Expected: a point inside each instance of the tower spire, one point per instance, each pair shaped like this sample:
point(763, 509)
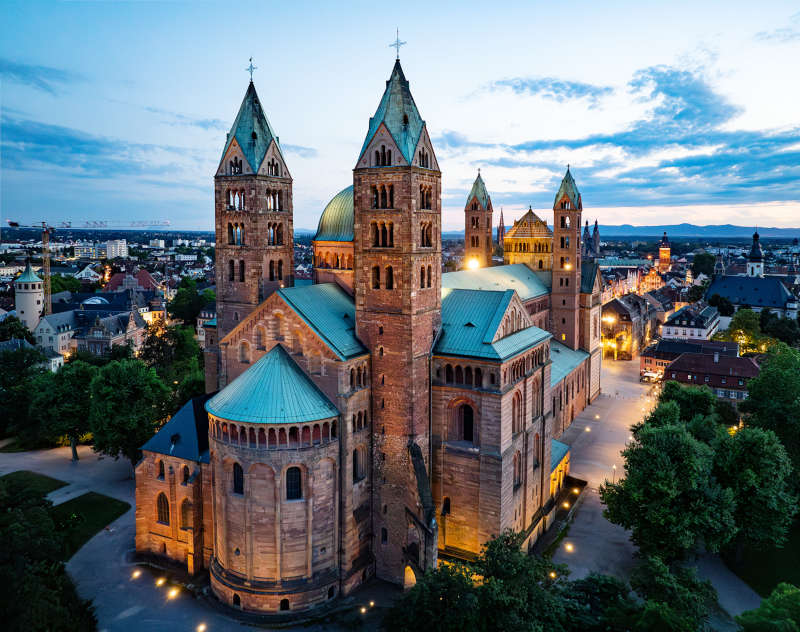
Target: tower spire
point(250, 69)
point(396, 44)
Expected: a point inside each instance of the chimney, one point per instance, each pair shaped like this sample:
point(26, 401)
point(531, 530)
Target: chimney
point(716, 357)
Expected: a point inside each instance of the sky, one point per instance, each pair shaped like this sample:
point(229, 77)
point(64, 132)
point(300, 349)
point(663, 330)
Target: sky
point(666, 112)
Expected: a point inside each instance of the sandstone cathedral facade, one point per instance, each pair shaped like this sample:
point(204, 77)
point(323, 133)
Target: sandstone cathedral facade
point(388, 415)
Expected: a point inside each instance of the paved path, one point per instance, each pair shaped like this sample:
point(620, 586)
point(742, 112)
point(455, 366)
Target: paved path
point(598, 545)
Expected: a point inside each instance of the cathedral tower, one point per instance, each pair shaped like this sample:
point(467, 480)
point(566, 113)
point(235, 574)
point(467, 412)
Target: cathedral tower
point(478, 246)
point(253, 216)
point(664, 255)
point(567, 209)
point(397, 251)
point(755, 260)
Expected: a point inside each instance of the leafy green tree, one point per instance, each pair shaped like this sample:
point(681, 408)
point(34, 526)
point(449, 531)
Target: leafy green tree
point(65, 404)
point(773, 400)
point(723, 305)
point(61, 283)
point(692, 400)
point(677, 599)
point(726, 413)
point(780, 612)
point(783, 329)
point(597, 603)
point(129, 403)
point(188, 302)
point(177, 359)
point(755, 466)
point(37, 593)
point(12, 327)
point(703, 264)
point(18, 370)
point(696, 293)
point(669, 498)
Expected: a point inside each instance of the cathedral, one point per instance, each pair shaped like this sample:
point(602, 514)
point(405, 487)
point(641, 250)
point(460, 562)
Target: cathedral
point(387, 416)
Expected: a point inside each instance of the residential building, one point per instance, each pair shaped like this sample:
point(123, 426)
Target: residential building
point(116, 248)
point(727, 376)
point(628, 325)
point(697, 321)
point(657, 357)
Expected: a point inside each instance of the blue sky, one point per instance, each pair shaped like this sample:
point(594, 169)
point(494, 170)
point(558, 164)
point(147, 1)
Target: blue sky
point(679, 111)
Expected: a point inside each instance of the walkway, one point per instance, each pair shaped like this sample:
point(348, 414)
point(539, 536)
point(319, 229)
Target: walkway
point(596, 544)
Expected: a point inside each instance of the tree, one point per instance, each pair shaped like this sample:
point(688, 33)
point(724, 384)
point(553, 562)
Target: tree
point(780, 612)
point(703, 264)
point(669, 498)
point(65, 404)
point(691, 400)
point(18, 370)
point(723, 305)
point(777, 408)
point(783, 329)
point(696, 293)
point(755, 466)
point(12, 327)
point(187, 303)
point(37, 592)
point(61, 283)
point(176, 357)
point(129, 403)
point(675, 598)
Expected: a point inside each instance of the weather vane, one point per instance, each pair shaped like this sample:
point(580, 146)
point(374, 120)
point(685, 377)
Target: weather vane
point(251, 68)
point(397, 44)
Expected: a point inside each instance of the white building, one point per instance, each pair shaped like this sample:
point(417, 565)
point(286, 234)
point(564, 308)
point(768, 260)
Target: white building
point(55, 333)
point(29, 297)
point(88, 274)
point(157, 243)
point(692, 322)
point(116, 248)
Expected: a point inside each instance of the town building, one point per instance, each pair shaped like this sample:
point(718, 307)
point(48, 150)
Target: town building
point(529, 241)
point(629, 323)
point(132, 279)
point(106, 332)
point(697, 321)
point(386, 416)
point(478, 245)
point(726, 375)
point(657, 357)
point(29, 297)
point(116, 248)
point(664, 255)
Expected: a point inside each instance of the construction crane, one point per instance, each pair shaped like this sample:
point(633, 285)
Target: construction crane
point(48, 230)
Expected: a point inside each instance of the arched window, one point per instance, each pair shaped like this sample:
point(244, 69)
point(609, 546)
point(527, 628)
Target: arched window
point(230, 270)
point(422, 277)
point(271, 270)
point(230, 233)
point(468, 376)
point(294, 487)
point(352, 379)
point(238, 479)
point(429, 276)
point(517, 469)
point(162, 505)
point(478, 378)
point(161, 470)
point(241, 270)
point(448, 374)
point(284, 604)
point(244, 352)
point(358, 464)
point(237, 601)
point(280, 270)
point(259, 337)
point(186, 514)
point(376, 277)
point(384, 535)
point(389, 278)
point(185, 475)
point(466, 420)
point(459, 375)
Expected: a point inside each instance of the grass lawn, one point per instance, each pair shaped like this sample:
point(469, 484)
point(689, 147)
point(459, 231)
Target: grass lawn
point(763, 570)
point(92, 512)
point(38, 483)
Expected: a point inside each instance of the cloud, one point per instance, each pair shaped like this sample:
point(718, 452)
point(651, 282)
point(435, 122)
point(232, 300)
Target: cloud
point(28, 145)
point(43, 78)
point(303, 152)
point(560, 90)
point(683, 150)
point(175, 118)
point(779, 36)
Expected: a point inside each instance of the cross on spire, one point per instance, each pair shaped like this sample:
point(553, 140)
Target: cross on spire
point(250, 69)
point(397, 44)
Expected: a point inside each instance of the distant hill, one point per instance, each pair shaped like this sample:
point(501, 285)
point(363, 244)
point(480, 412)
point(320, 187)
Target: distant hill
point(679, 230)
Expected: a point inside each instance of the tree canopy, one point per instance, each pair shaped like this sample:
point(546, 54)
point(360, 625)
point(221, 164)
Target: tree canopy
point(12, 327)
point(703, 264)
point(188, 302)
point(780, 612)
point(18, 371)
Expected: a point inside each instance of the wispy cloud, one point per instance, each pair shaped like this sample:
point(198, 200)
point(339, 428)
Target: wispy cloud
point(780, 36)
point(560, 90)
point(176, 118)
point(43, 78)
point(682, 151)
point(299, 150)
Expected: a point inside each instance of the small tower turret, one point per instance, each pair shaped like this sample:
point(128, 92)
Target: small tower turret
point(664, 255)
point(755, 260)
point(478, 245)
point(29, 297)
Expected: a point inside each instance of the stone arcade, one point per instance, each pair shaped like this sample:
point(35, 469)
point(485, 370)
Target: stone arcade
point(386, 416)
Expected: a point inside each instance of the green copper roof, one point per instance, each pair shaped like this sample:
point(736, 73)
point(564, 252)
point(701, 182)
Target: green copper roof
point(399, 112)
point(28, 276)
point(569, 188)
point(330, 312)
point(272, 391)
point(470, 319)
point(516, 276)
point(336, 222)
point(588, 275)
point(558, 451)
point(252, 130)
point(563, 361)
point(479, 191)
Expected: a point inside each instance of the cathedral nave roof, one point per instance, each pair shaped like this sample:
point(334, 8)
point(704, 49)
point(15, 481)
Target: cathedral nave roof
point(516, 276)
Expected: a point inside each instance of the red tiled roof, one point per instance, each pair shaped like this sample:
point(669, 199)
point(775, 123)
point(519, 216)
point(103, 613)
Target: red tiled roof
point(144, 280)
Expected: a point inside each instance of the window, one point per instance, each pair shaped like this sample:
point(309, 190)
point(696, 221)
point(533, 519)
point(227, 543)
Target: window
point(358, 464)
point(384, 535)
point(389, 278)
point(161, 470)
point(237, 600)
point(185, 475)
point(376, 277)
point(446, 506)
point(429, 276)
point(163, 508)
point(284, 604)
point(241, 270)
point(244, 352)
point(294, 489)
point(238, 479)
point(466, 426)
point(186, 514)
point(230, 270)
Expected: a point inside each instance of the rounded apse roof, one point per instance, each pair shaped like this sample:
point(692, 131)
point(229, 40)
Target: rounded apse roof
point(336, 222)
